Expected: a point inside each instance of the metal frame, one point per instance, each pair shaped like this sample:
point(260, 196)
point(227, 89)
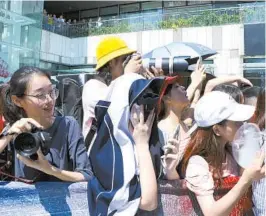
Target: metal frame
point(140, 10)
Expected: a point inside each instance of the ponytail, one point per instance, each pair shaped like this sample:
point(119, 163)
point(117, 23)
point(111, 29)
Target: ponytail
point(12, 112)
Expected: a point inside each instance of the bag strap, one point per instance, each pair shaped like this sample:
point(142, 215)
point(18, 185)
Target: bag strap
point(91, 134)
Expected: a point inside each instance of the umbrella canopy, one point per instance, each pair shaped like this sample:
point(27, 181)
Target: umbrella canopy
point(190, 51)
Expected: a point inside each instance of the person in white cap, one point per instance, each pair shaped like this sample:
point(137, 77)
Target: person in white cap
point(206, 163)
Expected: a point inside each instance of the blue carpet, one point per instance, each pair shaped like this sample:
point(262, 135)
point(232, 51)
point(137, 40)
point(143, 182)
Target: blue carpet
point(43, 198)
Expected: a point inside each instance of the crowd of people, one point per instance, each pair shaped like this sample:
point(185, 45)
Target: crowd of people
point(196, 127)
point(69, 28)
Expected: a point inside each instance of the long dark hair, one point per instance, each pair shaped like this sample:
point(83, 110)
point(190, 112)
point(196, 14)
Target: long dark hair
point(259, 115)
point(17, 86)
point(230, 89)
point(3, 86)
point(204, 143)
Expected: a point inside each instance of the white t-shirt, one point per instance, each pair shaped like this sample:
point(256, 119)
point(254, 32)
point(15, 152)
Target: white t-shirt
point(93, 91)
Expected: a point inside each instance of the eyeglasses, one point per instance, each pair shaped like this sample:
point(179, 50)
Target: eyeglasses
point(42, 97)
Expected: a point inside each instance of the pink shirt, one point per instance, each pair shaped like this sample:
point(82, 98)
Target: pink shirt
point(199, 177)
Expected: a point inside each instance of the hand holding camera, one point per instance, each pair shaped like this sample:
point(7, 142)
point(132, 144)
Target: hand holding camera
point(23, 125)
point(154, 72)
point(133, 63)
point(39, 164)
point(29, 138)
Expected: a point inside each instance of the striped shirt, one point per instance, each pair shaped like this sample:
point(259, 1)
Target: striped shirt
point(258, 189)
point(258, 197)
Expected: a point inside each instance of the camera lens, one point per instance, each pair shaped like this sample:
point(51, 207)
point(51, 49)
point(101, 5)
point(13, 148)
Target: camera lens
point(170, 66)
point(26, 144)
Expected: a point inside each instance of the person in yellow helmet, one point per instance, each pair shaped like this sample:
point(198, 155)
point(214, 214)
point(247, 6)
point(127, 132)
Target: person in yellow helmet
point(115, 58)
point(111, 53)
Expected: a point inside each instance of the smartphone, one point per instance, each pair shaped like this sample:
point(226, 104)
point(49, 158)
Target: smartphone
point(200, 61)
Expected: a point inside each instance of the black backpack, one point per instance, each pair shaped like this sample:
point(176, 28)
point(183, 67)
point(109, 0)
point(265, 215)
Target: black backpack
point(70, 99)
point(69, 102)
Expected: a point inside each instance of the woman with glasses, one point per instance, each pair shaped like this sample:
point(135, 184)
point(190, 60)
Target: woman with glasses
point(29, 101)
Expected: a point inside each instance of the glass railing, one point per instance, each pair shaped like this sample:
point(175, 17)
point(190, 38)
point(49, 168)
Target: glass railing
point(9, 17)
point(23, 56)
point(66, 60)
point(254, 13)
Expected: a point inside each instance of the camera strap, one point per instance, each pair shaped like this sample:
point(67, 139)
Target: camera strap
point(9, 161)
point(14, 177)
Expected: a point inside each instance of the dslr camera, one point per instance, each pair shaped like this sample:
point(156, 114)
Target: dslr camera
point(170, 66)
point(27, 144)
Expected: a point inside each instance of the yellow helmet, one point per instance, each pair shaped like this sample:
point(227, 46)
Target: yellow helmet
point(110, 48)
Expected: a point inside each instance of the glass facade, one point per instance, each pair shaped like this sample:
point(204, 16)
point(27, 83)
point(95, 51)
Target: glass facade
point(254, 70)
point(20, 33)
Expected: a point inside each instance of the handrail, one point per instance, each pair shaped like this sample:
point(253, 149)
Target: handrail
point(163, 20)
point(163, 14)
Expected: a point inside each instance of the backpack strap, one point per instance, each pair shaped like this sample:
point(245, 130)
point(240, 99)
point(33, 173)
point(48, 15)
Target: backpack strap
point(91, 134)
point(100, 111)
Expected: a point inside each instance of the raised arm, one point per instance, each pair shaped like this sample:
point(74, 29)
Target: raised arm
point(201, 183)
point(197, 77)
point(223, 80)
point(141, 135)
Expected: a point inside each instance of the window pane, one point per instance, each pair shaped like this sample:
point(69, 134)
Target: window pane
point(151, 5)
point(89, 13)
point(210, 61)
point(256, 76)
point(109, 10)
point(254, 60)
point(194, 10)
point(129, 8)
point(174, 3)
point(198, 2)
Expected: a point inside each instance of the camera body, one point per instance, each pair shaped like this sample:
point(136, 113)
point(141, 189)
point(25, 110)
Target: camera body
point(27, 144)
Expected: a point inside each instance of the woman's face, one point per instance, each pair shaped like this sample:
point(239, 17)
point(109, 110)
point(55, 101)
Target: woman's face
point(229, 129)
point(177, 97)
point(117, 68)
point(39, 99)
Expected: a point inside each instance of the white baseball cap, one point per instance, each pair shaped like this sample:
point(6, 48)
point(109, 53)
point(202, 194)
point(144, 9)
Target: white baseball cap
point(216, 106)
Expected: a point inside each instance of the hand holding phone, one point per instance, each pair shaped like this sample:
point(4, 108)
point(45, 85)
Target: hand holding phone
point(198, 75)
point(175, 137)
point(199, 62)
